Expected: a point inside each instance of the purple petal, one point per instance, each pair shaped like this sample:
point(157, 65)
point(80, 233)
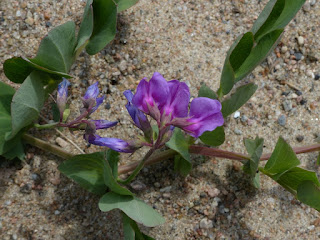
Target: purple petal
point(141, 96)
point(92, 91)
point(129, 95)
point(178, 100)
point(99, 101)
point(205, 115)
point(116, 144)
point(62, 95)
point(102, 124)
point(137, 116)
point(152, 94)
point(202, 107)
point(158, 89)
point(63, 88)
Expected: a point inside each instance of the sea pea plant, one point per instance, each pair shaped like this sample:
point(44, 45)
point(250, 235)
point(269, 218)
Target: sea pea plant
point(161, 109)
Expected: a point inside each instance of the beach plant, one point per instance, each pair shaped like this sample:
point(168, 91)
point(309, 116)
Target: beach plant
point(169, 122)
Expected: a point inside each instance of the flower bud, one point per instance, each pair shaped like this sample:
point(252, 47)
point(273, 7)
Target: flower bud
point(62, 96)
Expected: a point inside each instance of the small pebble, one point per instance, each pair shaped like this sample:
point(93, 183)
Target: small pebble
point(306, 7)
point(317, 76)
point(56, 212)
point(29, 21)
point(287, 105)
point(62, 143)
point(282, 120)
point(237, 131)
point(213, 192)
point(303, 101)
point(26, 188)
point(166, 189)
point(206, 224)
point(157, 185)
point(244, 118)
point(310, 74)
point(299, 93)
point(18, 13)
point(298, 56)
point(300, 138)
point(236, 114)
point(138, 185)
point(284, 49)
point(107, 106)
point(300, 40)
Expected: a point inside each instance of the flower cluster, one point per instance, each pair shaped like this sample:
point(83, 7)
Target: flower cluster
point(168, 103)
point(91, 102)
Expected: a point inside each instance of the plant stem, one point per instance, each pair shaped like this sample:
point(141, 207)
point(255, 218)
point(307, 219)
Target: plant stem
point(137, 168)
point(47, 146)
point(45, 126)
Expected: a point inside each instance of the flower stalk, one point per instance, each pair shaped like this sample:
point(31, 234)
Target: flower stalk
point(164, 155)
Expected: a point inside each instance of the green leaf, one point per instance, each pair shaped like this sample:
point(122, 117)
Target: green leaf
point(179, 144)
point(55, 112)
point(113, 159)
point(109, 178)
point(282, 159)
point(213, 138)
point(17, 69)
point(87, 171)
point(261, 50)
point(318, 159)
point(12, 148)
point(131, 206)
point(205, 91)
point(27, 103)
point(125, 4)
point(309, 194)
point(104, 25)
point(241, 51)
point(56, 50)
point(16, 151)
point(254, 148)
point(236, 55)
point(256, 180)
point(292, 178)
point(181, 165)
point(227, 79)
point(131, 230)
point(237, 99)
point(86, 26)
point(276, 15)
point(128, 230)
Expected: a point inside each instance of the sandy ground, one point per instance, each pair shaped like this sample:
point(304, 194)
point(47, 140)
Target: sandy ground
point(185, 40)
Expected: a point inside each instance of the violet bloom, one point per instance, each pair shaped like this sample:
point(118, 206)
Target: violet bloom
point(116, 144)
point(62, 96)
point(90, 100)
point(139, 119)
point(205, 115)
point(167, 102)
point(151, 96)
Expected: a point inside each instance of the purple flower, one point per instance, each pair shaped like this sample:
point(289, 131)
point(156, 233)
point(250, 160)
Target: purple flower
point(177, 100)
point(93, 125)
point(151, 96)
point(102, 124)
point(140, 120)
point(167, 102)
point(205, 115)
point(90, 100)
point(62, 96)
point(116, 144)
